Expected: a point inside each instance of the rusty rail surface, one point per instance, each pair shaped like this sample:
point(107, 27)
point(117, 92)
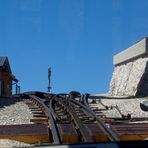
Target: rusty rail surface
point(49, 115)
point(74, 118)
point(111, 135)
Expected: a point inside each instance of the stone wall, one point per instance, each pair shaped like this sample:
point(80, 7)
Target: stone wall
point(130, 78)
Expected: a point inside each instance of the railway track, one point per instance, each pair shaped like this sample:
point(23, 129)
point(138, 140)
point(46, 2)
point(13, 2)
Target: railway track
point(74, 118)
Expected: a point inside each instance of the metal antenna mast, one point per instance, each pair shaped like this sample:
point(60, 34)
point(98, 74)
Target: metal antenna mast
point(49, 75)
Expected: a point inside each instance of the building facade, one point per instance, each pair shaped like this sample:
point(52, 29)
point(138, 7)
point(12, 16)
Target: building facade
point(7, 79)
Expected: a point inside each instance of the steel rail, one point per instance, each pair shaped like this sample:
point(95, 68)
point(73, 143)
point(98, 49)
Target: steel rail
point(51, 108)
point(111, 135)
point(111, 97)
point(54, 98)
point(77, 121)
point(56, 139)
point(85, 100)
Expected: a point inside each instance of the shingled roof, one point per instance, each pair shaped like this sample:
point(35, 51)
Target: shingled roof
point(4, 61)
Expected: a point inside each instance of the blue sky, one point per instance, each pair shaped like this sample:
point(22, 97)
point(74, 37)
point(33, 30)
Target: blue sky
point(76, 38)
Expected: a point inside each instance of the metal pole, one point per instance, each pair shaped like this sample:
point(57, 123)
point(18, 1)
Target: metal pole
point(16, 88)
point(49, 76)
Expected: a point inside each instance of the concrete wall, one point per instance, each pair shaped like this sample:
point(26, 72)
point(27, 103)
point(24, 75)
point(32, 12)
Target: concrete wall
point(130, 75)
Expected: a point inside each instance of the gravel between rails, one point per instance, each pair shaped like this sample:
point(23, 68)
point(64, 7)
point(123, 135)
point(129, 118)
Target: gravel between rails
point(126, 106)
point(5, 143)
point(14, 111)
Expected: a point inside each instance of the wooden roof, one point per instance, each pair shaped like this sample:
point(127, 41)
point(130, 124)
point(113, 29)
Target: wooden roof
point(5, 62)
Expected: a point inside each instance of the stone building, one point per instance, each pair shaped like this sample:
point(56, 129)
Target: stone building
point(6, 78)
point(130, 76)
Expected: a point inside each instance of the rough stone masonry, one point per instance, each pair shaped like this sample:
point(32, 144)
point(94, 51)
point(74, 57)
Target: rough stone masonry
point(130, 75)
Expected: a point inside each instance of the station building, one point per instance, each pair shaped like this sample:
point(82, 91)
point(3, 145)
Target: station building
point(7, 79)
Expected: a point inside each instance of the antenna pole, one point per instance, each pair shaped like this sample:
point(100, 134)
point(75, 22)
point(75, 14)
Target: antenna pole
point(49, 76)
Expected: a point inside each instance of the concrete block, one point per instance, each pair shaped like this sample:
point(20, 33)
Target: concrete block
point(130, 76)
point(138, 49)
